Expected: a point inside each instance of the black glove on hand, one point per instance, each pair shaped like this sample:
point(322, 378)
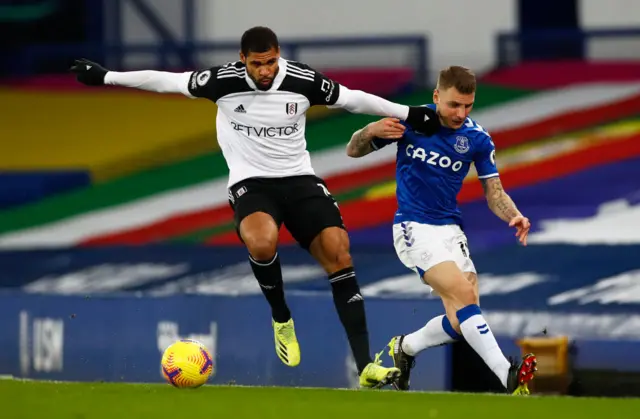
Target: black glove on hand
point(88, 72)
point(423, 120)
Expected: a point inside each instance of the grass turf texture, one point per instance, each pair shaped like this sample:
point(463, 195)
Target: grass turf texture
point(49, 400)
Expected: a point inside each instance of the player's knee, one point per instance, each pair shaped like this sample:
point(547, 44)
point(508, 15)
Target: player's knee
point(262, 247)
point(473, 280)
point(470, 295)
point(466, 293)
point(339, 252)
point(342, 259)
point(259, 232)
point(337, 260)
point(331, 249)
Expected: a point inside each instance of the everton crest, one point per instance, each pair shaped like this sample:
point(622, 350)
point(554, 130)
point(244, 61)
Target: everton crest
point(462, 144)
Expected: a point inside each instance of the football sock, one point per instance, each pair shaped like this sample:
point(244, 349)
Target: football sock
point(477, 333)
point(350, 307)
point(438, 331)
point(269, 276)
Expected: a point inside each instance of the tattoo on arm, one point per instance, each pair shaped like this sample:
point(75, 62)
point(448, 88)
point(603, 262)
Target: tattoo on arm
point(499, 202)
point(360, 143)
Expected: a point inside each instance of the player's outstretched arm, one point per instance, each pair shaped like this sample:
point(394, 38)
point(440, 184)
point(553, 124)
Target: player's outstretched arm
point(503, 206)
point(361, 143)
point(93, 74)
point(420, 118)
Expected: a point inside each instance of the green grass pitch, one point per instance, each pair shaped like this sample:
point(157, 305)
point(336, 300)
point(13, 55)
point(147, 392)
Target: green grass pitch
point(50, 400)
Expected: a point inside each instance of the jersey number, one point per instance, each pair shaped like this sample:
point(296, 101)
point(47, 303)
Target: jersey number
point(464, 248)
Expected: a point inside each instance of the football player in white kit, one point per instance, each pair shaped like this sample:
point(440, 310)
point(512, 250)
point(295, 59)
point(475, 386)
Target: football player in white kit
point(428, 229)
point(262, 101)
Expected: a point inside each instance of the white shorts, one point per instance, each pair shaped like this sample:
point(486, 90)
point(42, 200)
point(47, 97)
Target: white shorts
point(422, 246)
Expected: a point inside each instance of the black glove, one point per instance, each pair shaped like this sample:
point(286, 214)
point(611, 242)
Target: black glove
point(423, 120)
point(88, 72)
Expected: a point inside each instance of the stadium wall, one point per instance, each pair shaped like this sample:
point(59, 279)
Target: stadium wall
point(219, 21)
point(121, 339)
point(595, 14)
point(108, 313)
point(225, 21)
point(112, 338)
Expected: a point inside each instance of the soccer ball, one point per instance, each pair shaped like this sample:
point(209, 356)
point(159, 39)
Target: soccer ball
point(187, 364)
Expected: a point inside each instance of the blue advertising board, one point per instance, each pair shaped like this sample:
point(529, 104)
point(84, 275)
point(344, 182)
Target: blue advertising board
point(121, 338)
point(107, 313)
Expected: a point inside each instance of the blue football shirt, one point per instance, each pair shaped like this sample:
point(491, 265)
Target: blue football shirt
point(430, 170)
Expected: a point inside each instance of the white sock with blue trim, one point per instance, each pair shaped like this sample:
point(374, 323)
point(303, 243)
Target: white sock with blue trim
point(438, 331)
point(477, 333)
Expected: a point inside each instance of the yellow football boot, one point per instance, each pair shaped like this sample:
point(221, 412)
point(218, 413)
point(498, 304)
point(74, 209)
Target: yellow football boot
point(375, 375)
point(287, 347)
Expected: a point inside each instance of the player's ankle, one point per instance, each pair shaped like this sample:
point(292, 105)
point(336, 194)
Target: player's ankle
point(281, 314)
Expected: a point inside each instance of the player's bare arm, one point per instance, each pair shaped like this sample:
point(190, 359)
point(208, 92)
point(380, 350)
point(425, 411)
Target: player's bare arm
point(360, 143)
point(503, 206)
point(499, 201)
point(361, 140)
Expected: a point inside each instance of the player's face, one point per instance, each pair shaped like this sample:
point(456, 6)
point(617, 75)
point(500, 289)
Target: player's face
point(453, 107)
point(262, 67)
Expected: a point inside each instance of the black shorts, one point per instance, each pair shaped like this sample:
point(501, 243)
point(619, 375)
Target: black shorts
point(302, 203)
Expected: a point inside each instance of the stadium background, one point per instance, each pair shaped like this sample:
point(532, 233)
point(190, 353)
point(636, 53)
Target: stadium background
point(116, 237)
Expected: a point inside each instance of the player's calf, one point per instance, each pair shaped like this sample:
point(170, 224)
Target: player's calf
point(454, 289)
point(403, 349)
point(460, 295)
point(259, 233)
point(440, 330)
point(452, 305)
point(331, 249)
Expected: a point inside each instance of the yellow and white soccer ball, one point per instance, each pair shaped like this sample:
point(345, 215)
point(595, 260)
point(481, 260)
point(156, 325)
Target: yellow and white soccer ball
point(187, 363)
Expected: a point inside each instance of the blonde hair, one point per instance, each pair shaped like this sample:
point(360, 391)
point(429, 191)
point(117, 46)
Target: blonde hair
point(462, 78)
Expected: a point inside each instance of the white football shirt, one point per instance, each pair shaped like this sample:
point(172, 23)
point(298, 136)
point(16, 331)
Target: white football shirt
point(262, 133)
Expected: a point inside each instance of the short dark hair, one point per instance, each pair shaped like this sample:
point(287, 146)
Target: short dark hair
point(463, 79)
point(258, 39)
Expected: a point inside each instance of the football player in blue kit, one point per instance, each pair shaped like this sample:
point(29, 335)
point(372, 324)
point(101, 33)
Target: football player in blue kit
point(428, 229)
